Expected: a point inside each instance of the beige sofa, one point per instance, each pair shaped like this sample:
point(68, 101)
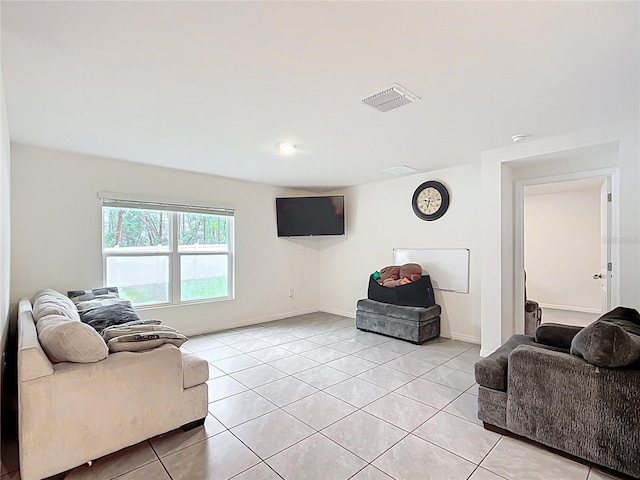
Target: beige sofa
point(71, 413)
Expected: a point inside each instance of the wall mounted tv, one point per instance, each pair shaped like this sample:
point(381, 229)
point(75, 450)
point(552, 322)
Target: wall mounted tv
point(310, 216)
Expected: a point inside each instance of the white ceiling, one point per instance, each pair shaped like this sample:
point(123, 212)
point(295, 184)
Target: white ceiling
point(216, 86)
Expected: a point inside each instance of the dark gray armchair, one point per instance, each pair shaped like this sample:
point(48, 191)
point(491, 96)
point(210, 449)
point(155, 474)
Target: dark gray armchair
point(535, 387)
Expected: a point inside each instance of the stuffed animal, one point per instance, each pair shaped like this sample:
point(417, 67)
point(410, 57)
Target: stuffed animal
point(396, 275)
point(391, 272)
point(412, 271)
point(391, 282)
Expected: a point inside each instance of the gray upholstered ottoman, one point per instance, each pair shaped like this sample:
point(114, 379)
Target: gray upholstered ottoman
point(414, 324)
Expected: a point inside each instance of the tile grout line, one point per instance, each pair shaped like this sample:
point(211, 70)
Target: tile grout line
point(128, 471)
point(313, 428)
point(351, 376)
point(489, 453)
point(329, 393)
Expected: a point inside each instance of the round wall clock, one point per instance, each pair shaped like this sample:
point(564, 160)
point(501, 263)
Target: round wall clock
point(430, 200)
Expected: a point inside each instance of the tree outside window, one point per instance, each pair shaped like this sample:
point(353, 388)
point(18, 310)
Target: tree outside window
point(158, 256)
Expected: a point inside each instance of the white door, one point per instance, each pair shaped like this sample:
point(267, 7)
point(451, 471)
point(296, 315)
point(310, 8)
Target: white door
point(605, 246)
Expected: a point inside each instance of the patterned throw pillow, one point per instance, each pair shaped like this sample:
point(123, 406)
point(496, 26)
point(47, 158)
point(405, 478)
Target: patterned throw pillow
point(137, 342)
point(102, 307)
point(85, 299)
point(128, 329)
point(105, 333)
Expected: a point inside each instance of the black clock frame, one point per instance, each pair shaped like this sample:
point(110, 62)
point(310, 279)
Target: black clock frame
point(444, 193)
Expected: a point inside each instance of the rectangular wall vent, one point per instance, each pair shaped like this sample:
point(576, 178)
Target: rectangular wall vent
point(399, 171)
point(393, 97)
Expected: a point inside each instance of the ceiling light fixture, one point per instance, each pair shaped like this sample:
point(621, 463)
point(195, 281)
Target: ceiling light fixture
point(288, 148)
point(519, 137)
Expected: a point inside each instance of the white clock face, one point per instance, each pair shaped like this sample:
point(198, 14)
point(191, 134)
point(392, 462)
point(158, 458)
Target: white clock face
point(429, 201)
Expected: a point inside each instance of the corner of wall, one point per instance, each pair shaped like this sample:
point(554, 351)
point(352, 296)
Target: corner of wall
point(5, 240)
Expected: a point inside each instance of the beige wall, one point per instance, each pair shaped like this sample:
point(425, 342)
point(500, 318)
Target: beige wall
point(380, 218)
point(56, 235)
point(54, 193)
point(5, 225)
point(562, 249)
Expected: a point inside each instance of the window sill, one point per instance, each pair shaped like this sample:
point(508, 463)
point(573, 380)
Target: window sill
point(156, 306)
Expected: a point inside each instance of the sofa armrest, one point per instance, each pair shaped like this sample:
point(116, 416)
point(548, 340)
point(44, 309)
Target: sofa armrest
point(32, 361)
point(562, 401)
point(491, 371)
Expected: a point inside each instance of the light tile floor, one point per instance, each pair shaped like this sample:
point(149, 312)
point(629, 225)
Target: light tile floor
point(311, 397)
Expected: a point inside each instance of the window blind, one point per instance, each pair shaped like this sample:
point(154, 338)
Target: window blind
point(126, 201)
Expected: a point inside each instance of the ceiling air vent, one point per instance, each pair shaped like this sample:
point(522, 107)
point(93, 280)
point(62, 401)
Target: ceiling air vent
point(399, 171)
point(393, 97)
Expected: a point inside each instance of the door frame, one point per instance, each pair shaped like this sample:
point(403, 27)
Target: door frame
point(518, 251)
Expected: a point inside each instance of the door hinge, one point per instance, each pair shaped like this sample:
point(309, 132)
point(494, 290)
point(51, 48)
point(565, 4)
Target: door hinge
point(609, 266)
point(608, 197)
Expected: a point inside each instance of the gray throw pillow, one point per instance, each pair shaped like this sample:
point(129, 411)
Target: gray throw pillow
point(611, 341)
point(109, 315)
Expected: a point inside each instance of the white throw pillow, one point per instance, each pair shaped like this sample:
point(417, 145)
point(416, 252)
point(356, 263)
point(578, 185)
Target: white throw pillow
point(65, 340)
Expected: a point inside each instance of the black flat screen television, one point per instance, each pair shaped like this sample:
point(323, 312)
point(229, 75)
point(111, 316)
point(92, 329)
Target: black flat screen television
point(310, 216)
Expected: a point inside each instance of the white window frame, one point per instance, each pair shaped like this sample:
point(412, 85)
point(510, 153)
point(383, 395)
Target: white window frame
point(173, 210)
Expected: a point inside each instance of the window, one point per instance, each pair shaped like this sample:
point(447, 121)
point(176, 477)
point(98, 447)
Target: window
point(158, 253)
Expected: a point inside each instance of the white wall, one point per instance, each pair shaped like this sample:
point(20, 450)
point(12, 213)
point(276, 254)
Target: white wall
point(501, 168)
point(562, 249)
point(5, 225)
point(56, 235)
point(380, 218)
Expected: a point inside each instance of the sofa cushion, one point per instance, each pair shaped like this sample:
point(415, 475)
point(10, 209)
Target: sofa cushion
point(611, 341)
point(49, 302)
point(416, 314)
point(556, 334)
point(137, 342)
point(66, 340)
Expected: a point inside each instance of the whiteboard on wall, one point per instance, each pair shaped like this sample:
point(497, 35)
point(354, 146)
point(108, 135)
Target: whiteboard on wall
point(448, 267)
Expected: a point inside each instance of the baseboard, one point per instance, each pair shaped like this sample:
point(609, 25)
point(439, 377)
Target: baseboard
point(253, 321)
point(464, 338)
point(571, 308)
point(342, 313)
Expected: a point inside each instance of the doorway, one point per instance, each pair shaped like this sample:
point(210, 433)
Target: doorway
point(566, 225)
